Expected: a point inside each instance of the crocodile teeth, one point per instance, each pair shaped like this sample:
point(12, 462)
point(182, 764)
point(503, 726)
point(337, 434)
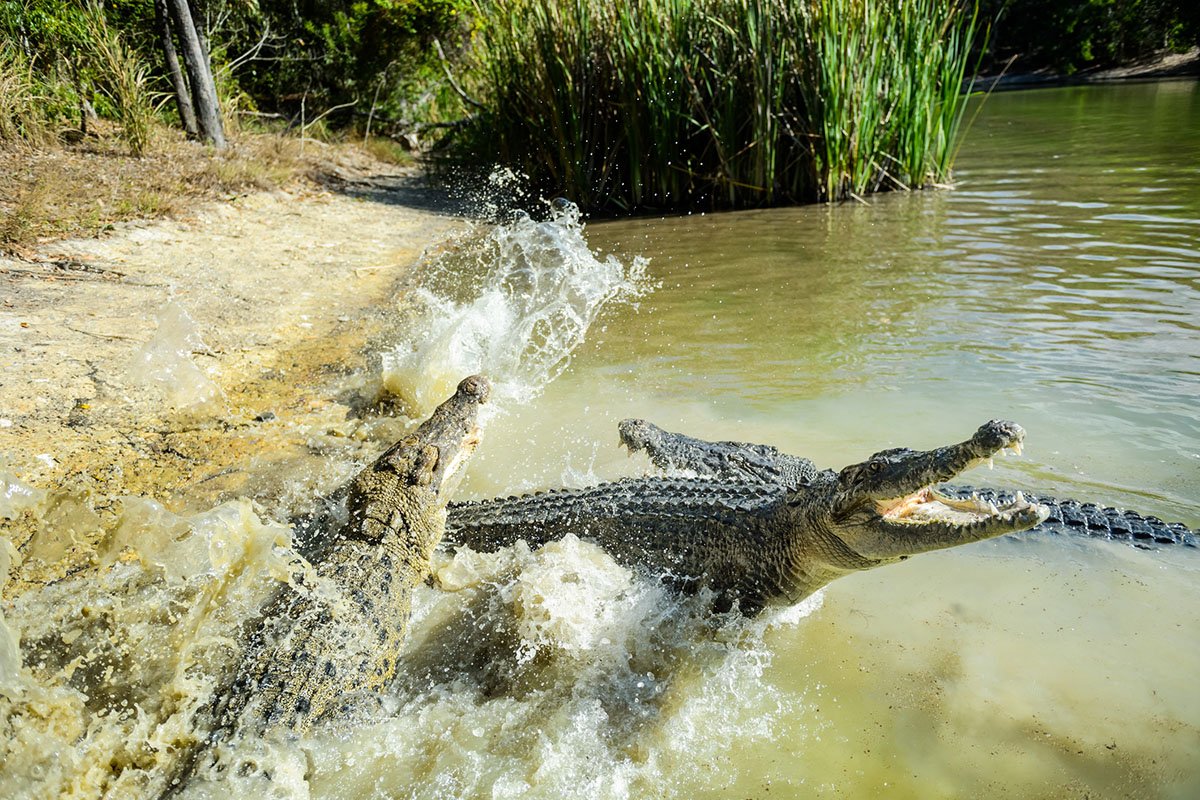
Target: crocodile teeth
point(991, 507)
point(991, 464)
point(1019, 499)
point(1016, 448)
point(971, 504)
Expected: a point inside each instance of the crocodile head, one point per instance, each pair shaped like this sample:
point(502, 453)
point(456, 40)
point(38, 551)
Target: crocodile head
point(639, 434)
point(666, 450)
point(886, 508)
point(443, 444)
point(422, 469)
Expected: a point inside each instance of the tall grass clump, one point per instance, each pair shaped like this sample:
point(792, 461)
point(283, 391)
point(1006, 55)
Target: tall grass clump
point(123, 78)
point(668, 104)
point(22, 118)
point(887, 92)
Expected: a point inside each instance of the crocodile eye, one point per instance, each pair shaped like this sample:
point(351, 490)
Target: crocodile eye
point(875, 466)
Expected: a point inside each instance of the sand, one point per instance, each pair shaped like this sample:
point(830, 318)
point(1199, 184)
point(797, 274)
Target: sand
point(185, 360)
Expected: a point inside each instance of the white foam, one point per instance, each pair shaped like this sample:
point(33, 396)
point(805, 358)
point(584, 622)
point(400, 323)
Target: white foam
point(559, 674)
point(534, 291)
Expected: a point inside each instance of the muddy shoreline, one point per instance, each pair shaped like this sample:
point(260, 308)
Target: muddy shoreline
point(183, 360)
point(1162, 67)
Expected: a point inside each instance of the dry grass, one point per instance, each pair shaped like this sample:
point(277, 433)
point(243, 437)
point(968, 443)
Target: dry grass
point(21, 117)
point(84, 189)
point(389, 152)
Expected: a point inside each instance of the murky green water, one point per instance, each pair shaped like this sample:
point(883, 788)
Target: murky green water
point(1057, 285)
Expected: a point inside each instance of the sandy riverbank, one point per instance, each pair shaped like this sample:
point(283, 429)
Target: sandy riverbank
point(1161, 66)
point(179, 359)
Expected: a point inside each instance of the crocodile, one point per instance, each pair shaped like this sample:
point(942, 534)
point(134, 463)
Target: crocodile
point(333, 638)
point(677, 452)
point(742, 461)
point(751, 542)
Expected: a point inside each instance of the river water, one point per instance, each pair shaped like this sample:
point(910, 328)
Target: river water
point(1057, 285)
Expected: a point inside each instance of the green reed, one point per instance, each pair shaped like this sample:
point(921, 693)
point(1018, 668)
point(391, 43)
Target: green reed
point(669, 104)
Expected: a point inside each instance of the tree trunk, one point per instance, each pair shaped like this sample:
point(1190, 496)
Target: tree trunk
point(200, 20)
point(87, 112)
point(204, 92)
point(183, 97)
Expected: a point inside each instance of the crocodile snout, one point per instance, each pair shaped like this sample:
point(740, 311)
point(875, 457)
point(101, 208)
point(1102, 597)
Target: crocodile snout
point(476, 387)
point(998, 434)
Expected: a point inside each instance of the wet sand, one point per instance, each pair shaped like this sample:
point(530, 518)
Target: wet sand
point(172, 359)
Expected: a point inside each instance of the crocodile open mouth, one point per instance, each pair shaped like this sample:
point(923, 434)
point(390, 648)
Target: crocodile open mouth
point(928, 505)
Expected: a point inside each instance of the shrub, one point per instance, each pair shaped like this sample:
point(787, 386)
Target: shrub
point(123, 78)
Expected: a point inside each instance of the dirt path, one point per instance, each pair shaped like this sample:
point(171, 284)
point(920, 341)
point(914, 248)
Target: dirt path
point(178, 359)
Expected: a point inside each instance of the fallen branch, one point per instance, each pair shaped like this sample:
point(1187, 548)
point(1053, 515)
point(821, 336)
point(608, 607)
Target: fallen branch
point(102, 335)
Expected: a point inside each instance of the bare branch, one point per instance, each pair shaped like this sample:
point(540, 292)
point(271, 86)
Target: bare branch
point(251, 54)
point(374, 100)
point(437, 45)
point(327, 112)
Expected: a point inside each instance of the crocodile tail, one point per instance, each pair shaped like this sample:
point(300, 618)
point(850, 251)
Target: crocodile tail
point(1090, 519)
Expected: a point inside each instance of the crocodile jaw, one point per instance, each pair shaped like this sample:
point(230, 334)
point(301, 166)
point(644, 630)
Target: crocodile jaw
point(926, 520)
point(928, 505)
point(932, 520)
point(453, 432)
point(918, 518)
point(453, 469)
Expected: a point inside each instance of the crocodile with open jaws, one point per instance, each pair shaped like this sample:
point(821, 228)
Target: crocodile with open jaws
point(675, 452)
point(751, 541)
point(336, 636)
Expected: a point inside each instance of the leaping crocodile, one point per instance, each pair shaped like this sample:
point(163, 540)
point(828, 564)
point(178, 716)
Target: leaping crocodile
point(741, 461)
point(750, 541)
point(328, 641)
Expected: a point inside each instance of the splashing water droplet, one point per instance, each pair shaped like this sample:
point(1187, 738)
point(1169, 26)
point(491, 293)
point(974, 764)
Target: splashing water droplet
point(536, 292)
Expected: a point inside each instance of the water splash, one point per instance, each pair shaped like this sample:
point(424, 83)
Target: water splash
point(560, 674)
point(16, 496)
point(513, 303)
point(165, 362)
point(103, 673)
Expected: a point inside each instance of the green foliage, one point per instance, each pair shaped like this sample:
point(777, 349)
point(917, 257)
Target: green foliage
point(719, 103)
point(1069, 35)
point(273, 55)
point(333, 53)
point(44, 30)
point(67, 54)
point(46, 38)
